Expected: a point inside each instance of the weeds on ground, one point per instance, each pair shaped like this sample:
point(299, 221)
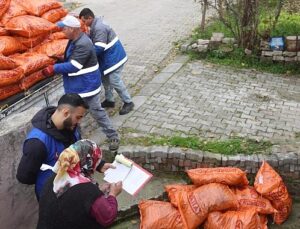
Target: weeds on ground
point(228, 147)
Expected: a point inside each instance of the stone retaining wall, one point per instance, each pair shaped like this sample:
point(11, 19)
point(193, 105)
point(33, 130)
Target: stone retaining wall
point(168, 159)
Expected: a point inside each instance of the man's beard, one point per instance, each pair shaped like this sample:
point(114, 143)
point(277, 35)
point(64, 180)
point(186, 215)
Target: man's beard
point(68, 125)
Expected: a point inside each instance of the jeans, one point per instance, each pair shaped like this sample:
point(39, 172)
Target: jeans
point(99, 114)
point(113, 81)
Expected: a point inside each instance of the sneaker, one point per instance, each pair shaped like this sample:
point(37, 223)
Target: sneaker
point(107, 103)
point(114, 144)
point(127, 107)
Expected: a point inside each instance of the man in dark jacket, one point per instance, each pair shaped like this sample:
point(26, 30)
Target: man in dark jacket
point(54, 129)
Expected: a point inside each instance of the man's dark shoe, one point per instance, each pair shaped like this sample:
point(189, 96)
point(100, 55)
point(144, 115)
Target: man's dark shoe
point(114, 144)
point(106, 103)
point(127, 107)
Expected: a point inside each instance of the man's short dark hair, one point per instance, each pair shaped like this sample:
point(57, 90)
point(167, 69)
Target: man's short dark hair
point(73, 100)
point(86, 12)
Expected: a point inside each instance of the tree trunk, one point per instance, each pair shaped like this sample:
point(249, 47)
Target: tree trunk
point(204, 8)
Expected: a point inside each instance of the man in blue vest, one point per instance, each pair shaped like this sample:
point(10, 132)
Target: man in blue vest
point(111, 57)
point(54, 129)
point(81, 75)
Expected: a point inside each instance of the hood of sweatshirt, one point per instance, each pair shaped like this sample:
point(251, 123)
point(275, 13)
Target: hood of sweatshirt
point(42, 120)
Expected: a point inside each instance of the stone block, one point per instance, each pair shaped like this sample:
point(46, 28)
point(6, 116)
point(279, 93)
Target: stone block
point(157, 151)
point(267, 53)
point(194, 155)
point(233, 160)
point(277, 53)
point(228, 40)
point(202, 48)
point(289, 54)
point(174, 168)
point(272, 160)
point(184, 47)
point(217, 37)
point(290, 59)
point(176, 153)
point(181, 163)
point(212, 158)
point(202, 42)
point(278, 58)
point(194, 46)
point(224, 161)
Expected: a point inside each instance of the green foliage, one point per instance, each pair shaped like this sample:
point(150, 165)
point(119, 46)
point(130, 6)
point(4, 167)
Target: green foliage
point(212, 27)
point(288, 25)
point(228, 147)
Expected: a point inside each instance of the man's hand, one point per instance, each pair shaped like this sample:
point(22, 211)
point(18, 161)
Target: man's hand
point(115, 188)
point(49, 71)
point(107, 166)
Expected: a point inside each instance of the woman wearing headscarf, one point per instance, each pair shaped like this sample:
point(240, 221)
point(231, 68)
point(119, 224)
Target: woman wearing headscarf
point(71, 199)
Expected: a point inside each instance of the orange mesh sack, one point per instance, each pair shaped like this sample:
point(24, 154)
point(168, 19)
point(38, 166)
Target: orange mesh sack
point(158, 215)
point(29, 26)
point(57, 36)
point(14, 10)
point(223, 175)
point(245, 219)
point(32, 62)
point(263, 221)
point(39, 7)
point(269, 183)
point(7, 63)
point(10, 45)
point(249, 198)
point(174, 189)
point(31, 42)
point(4, 4)
point(9, 90)
point(55, 14)
point(3, 32)
point(54, 48)
point(32, 79)
point(194, 206)
point(8, 77)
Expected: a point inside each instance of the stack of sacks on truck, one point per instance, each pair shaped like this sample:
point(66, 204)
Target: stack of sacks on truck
point(220, 198)
point(29, 42)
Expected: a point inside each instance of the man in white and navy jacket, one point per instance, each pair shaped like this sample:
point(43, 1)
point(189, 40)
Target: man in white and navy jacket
point(111, 57)
point(81, 74)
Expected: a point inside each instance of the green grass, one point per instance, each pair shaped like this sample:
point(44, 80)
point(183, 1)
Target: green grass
point(228, 147)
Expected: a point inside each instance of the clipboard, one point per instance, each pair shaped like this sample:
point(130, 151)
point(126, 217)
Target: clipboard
point(133, 176)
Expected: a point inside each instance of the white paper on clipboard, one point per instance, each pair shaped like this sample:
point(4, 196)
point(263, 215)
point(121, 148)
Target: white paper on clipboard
point(133, 178)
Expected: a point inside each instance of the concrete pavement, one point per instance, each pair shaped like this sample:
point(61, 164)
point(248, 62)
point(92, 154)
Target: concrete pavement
point(173, 96)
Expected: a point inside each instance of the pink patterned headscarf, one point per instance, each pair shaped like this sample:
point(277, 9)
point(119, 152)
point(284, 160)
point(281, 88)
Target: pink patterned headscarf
point(75, 165)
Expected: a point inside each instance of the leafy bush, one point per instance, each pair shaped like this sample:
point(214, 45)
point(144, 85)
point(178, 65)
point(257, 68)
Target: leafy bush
point(287, 25)
point(212, 27)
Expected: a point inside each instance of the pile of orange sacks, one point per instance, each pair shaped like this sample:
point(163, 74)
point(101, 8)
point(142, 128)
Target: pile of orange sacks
point(29, 41)
point(220, 198)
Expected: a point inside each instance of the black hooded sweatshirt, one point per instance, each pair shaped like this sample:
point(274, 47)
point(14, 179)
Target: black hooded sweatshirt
point(35, 151)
